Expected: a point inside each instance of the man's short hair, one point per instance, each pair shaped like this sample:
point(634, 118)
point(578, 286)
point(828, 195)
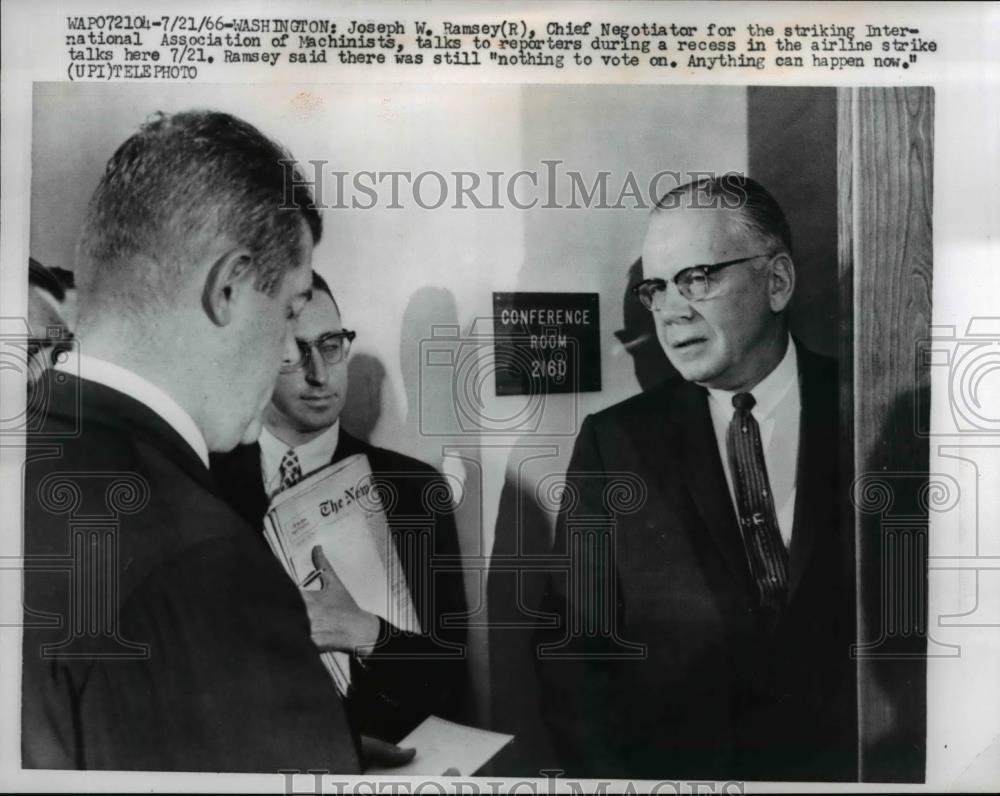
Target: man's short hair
point(180, 183)
point(43, 278)
point(66, 278)
point(760, 214)
point(319, 283)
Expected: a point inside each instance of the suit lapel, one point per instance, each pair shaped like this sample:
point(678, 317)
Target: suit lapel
point(242, 482)
point(682, 432)
point(817, 467)
point(347, 446)
point(687, 439)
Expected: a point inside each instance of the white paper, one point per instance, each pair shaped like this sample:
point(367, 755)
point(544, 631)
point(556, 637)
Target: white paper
point(442, 745)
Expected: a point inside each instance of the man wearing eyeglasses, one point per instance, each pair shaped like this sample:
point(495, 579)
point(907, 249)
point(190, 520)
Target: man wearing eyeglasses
point(724, 604)
point(397, 679)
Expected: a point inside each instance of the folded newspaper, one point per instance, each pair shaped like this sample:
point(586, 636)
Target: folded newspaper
point(339, 508)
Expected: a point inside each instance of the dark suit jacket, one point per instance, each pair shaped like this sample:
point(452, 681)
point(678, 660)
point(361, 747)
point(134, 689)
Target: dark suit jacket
point(680, 677)
point(408, 676)
point(158, 636)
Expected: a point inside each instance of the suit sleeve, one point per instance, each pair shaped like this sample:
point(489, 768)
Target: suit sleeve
point(422, 674)
point(231, 678)
point(572, 659)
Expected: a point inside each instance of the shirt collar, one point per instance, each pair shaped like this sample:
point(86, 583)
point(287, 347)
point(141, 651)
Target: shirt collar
point(312, 455)
point(130, 383)
point(271, 449)
point(772, 388)
point(321, 447)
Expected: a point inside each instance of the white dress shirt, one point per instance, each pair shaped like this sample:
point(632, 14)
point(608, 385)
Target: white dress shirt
point(133, 385)
point(312, 455)
point(777, 412)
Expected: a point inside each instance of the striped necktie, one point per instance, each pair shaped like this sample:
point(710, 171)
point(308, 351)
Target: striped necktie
point(765, 549)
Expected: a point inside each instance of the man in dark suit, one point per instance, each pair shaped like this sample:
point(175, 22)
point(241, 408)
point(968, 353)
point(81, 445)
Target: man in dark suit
point(158, 634)
point(708, 614)
point(397, 678)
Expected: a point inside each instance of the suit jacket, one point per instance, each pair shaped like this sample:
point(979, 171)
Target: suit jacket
point(158, 636)
point(670, 670)
point(408, 676)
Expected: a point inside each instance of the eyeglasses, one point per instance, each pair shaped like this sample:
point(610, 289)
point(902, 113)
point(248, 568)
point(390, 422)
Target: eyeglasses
point(333, 347)
point(695, 283)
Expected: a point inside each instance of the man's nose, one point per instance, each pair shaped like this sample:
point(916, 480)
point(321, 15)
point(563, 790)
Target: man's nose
point(317, 371)
point(673, 306)
point(291, 348)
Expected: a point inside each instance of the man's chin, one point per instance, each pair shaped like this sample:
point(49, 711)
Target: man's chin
point(696, 372)
point(319, 410)
point(252, 431)
point(316, 420)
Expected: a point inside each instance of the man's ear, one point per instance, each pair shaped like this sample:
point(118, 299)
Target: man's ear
point(782, 281)
point(227, 276)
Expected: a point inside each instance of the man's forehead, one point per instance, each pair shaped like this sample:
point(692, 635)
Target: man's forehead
point(318, 317)
point(688, 236)
point(302, 275)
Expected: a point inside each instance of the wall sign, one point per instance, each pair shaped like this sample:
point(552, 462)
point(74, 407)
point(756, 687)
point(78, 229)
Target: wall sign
point(546, 343)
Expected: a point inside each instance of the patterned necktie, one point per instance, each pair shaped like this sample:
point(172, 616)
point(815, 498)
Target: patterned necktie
point(290, 470)
point(761, 537)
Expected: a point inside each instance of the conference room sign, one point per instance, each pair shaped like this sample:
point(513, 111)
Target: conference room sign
point(546, 343)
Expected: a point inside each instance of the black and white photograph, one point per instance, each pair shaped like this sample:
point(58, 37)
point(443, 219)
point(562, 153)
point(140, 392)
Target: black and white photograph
point(528, 432)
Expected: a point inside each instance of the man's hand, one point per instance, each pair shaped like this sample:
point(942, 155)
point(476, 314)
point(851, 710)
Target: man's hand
point(382, 754)
point(338, 623)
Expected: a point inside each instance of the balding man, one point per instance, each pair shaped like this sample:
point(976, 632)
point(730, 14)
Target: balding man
point(707, 624)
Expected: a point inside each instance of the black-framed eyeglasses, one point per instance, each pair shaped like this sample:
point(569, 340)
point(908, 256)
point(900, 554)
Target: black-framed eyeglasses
point(333, 347)
point(696, 283)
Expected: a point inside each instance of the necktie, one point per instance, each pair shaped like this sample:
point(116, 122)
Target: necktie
point(766, 552)
point(290, 469)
